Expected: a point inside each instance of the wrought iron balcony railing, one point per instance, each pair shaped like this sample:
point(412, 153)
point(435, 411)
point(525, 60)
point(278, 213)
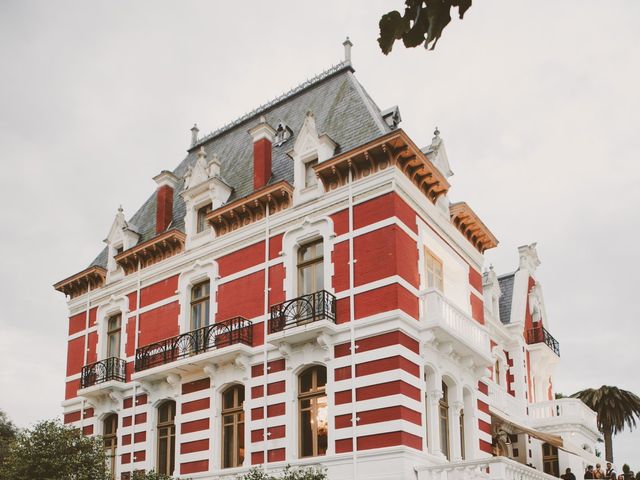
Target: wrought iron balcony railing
point(221, 334)
point(541, 335)
point(302, 310)
point(112, 368)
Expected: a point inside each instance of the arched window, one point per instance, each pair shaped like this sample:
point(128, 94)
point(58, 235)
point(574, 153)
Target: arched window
point(114, 326)
point(312, 407)
point(233, 426)
point(444, 421)
point(166, 437)
point(310, 268)
point(110, 439)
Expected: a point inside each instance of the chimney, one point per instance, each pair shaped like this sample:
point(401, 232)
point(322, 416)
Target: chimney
point(347, 50)
point(263, 135)
point(167, 182)
point(194, 134)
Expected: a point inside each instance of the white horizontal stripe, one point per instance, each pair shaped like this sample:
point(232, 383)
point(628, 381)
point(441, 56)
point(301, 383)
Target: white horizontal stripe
point(378, 354)
point(381, 427)
point(382, 402)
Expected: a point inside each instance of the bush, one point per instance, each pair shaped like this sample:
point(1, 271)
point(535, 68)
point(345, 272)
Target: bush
point(290, 473)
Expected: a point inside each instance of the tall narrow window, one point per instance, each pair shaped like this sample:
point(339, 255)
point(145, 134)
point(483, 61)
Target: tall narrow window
point(310, 174)
point(444, 421)
point(233, 427)
point(201, 221)
point(462, 453)
point(114, 326)
point(166, 437)
point(310, 268)
point(312, 406)
point(496, 372)
point(550, 460)
point(110, 440)
point(200, 305)
point(433, 268)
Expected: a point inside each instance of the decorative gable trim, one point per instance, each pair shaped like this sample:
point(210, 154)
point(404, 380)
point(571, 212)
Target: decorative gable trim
point(152, 251)
point(80, 283)
point(470, 225)
point(252, 208)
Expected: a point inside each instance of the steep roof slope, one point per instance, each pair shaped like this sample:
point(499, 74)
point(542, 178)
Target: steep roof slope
point(342, 110)
point(506, 298)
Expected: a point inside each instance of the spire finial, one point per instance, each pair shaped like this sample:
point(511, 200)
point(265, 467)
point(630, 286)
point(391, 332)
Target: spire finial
point(436, 132)
point(194, 134)
point(120, 210)
point(347, 50)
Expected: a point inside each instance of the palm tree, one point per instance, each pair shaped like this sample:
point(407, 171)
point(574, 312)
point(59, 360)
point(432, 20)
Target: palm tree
point(615, 408)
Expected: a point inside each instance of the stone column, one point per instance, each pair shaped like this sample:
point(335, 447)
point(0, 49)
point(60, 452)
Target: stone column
point(454, 430)
point(433, 421)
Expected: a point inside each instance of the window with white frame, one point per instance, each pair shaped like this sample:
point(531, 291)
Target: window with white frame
point(166, 446)
point(312, 412)
point(433, 270)
point(200, 305)
point(310, 179)
point(311, 267)
point(233, 427)
point(110, 442)
point(201, 218)
point(114, 331)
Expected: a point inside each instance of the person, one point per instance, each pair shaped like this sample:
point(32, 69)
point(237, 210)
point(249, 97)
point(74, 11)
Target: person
point(598, 473)
point(610, 472)
point(589, 472)
point(568, 475)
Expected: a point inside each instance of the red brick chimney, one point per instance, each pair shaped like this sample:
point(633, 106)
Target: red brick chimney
point(263, 135)
point(167, 182)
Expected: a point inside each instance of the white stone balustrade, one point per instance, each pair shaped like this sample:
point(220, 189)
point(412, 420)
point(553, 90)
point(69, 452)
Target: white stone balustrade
point(502, 400)
point(562, 411)
point(454, 324)
point(496, 468)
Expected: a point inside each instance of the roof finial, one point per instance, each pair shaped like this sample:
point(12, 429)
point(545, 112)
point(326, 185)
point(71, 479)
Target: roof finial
point(120, 210)
point(436, 132)
point(194, 134)
point(347, 50)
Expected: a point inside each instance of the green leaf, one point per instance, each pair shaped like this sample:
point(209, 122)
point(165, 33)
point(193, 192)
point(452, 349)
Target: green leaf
point(392, 27)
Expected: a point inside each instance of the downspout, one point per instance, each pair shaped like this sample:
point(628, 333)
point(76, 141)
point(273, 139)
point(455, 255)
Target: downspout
point(264, 339)
point(134, 399)
point(352, 333)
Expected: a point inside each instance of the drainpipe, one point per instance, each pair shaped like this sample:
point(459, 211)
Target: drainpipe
point(135, 386)
point(354, 418)
point(265, 365)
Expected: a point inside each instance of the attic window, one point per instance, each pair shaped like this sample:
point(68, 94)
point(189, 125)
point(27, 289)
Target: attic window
point(119, 249)
point(283, 133)
point(202, 218)
point(310, 179)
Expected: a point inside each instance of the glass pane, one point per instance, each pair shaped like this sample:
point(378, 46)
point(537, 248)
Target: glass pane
point(310, 174)
point(240, 396)
point(228, 447)
point(322, 417)
point(322, 376)
point(306, 434)
point(307, 284)
point(196, 316)
point(240, 443)
point(172, 455)
point(227, 398)
point(162, 456)
point(305, 380)
point(319, 277)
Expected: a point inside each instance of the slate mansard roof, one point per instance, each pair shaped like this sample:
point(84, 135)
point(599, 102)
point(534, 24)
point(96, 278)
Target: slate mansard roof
point(506, 297)
point(342, 110)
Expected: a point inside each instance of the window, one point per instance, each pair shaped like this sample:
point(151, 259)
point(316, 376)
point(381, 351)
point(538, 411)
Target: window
point(202, 224)
point(310, 179)
point(119, 250)
point(496, 372)
point(550, 460)
point(233, 427)
point(462, 453)
point(114, 325)
point(444, 421)
point(200, 305)
point(312, 407)
point(166, 437)
point(110, 440)
point(310, 268)
point(433, 268)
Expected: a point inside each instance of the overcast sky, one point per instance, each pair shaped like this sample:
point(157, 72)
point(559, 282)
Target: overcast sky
point(537, 102)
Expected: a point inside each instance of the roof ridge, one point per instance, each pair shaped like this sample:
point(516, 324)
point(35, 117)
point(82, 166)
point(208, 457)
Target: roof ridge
point(265, 106)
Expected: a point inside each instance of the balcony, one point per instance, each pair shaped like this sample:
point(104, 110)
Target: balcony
point(304, 317)
point(109, 369)
point(103, 378)
point(183, 351)
point(452, 326)
point(496, 468)
point(541, 335)
point(564, 411)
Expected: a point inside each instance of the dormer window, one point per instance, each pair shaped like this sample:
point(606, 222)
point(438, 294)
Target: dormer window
point(119, 250)
point(310, 179)
point(201, 222)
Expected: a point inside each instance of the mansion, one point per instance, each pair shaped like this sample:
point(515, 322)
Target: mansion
point(302, 290)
